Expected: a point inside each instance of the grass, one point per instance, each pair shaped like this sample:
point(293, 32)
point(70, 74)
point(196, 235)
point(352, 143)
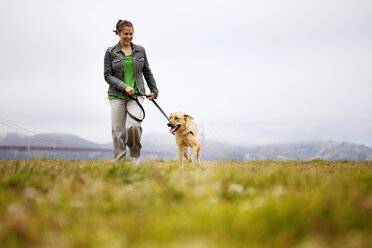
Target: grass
point(54, 203)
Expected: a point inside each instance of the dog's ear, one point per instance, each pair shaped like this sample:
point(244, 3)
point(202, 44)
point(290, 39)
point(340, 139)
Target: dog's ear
point(188, 117)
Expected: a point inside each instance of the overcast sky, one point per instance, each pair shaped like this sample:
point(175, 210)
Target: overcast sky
point(249, 71)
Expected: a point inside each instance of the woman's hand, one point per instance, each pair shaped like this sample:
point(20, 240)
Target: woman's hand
point(150, 96)
point(130, 90)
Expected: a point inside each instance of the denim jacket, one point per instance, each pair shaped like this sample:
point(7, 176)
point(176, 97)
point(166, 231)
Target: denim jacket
point(114, 69)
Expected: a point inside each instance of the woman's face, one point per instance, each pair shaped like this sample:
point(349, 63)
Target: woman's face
point(126, 35)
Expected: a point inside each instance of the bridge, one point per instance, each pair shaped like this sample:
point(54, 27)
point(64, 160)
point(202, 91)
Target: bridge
point(20, 142)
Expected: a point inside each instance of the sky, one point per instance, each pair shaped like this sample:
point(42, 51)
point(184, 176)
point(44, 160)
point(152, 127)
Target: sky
point(250, 72)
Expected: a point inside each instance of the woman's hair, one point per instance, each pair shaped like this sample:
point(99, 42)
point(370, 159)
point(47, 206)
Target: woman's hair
point(120, 24)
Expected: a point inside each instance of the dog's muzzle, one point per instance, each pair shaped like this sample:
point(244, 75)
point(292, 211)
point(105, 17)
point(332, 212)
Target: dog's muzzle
point(173, 128)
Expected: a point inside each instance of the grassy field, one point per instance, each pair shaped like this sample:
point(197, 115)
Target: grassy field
point(53, 203)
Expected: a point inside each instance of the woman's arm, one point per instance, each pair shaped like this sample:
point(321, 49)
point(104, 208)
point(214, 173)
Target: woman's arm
point(149, 77)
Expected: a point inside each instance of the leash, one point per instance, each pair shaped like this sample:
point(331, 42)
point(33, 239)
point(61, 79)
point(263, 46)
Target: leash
point(157, 105)
point(143, 110)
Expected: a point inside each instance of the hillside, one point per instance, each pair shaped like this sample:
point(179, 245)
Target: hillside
point(329, 150)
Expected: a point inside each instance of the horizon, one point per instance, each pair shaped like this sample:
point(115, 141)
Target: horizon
point(171, 139)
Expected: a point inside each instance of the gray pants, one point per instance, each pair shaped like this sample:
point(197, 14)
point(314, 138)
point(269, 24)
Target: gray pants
point(125, 130)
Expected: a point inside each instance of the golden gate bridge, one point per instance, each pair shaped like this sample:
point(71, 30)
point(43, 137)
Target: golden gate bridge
point(16, 140)
point(14, 137)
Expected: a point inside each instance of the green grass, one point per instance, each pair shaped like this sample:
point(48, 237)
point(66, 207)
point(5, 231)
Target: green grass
point(54, 203)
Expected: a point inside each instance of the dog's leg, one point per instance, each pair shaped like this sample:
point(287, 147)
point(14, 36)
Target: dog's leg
point(185, 152)
point(193, 151)
point(198, 154)
point(180, 154)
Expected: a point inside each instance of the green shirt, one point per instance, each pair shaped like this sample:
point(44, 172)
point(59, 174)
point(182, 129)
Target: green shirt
point(129, 77)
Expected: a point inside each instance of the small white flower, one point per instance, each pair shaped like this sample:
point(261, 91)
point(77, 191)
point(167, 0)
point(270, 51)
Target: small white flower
point(236, 187)
point(14, 208)
point(278, 190)
point(30, 193)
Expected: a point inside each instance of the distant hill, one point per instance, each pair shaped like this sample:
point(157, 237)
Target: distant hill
point(328, 150)
point(164, 147)
point(212, 150)
point(49, 139)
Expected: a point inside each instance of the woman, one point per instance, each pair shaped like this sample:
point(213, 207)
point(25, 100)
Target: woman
point(124, 65)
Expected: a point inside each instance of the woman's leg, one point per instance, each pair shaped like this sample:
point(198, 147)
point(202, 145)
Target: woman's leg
point(119, 132)
point(134, 128)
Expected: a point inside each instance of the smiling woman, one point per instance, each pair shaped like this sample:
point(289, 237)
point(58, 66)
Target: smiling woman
point(124, 67)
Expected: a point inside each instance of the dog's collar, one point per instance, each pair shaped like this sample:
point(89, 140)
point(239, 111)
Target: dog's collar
point(187, 132)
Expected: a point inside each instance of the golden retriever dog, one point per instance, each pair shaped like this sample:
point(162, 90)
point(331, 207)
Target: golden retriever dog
point(187, 135)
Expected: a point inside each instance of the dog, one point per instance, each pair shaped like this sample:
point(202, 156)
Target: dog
point(187, 135)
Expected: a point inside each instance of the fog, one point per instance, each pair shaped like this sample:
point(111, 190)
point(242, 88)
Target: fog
point(251, 72)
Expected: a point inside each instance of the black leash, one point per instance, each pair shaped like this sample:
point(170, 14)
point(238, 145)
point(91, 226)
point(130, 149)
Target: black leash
point(157, 105)
point(139, 104)
point(143, 110)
